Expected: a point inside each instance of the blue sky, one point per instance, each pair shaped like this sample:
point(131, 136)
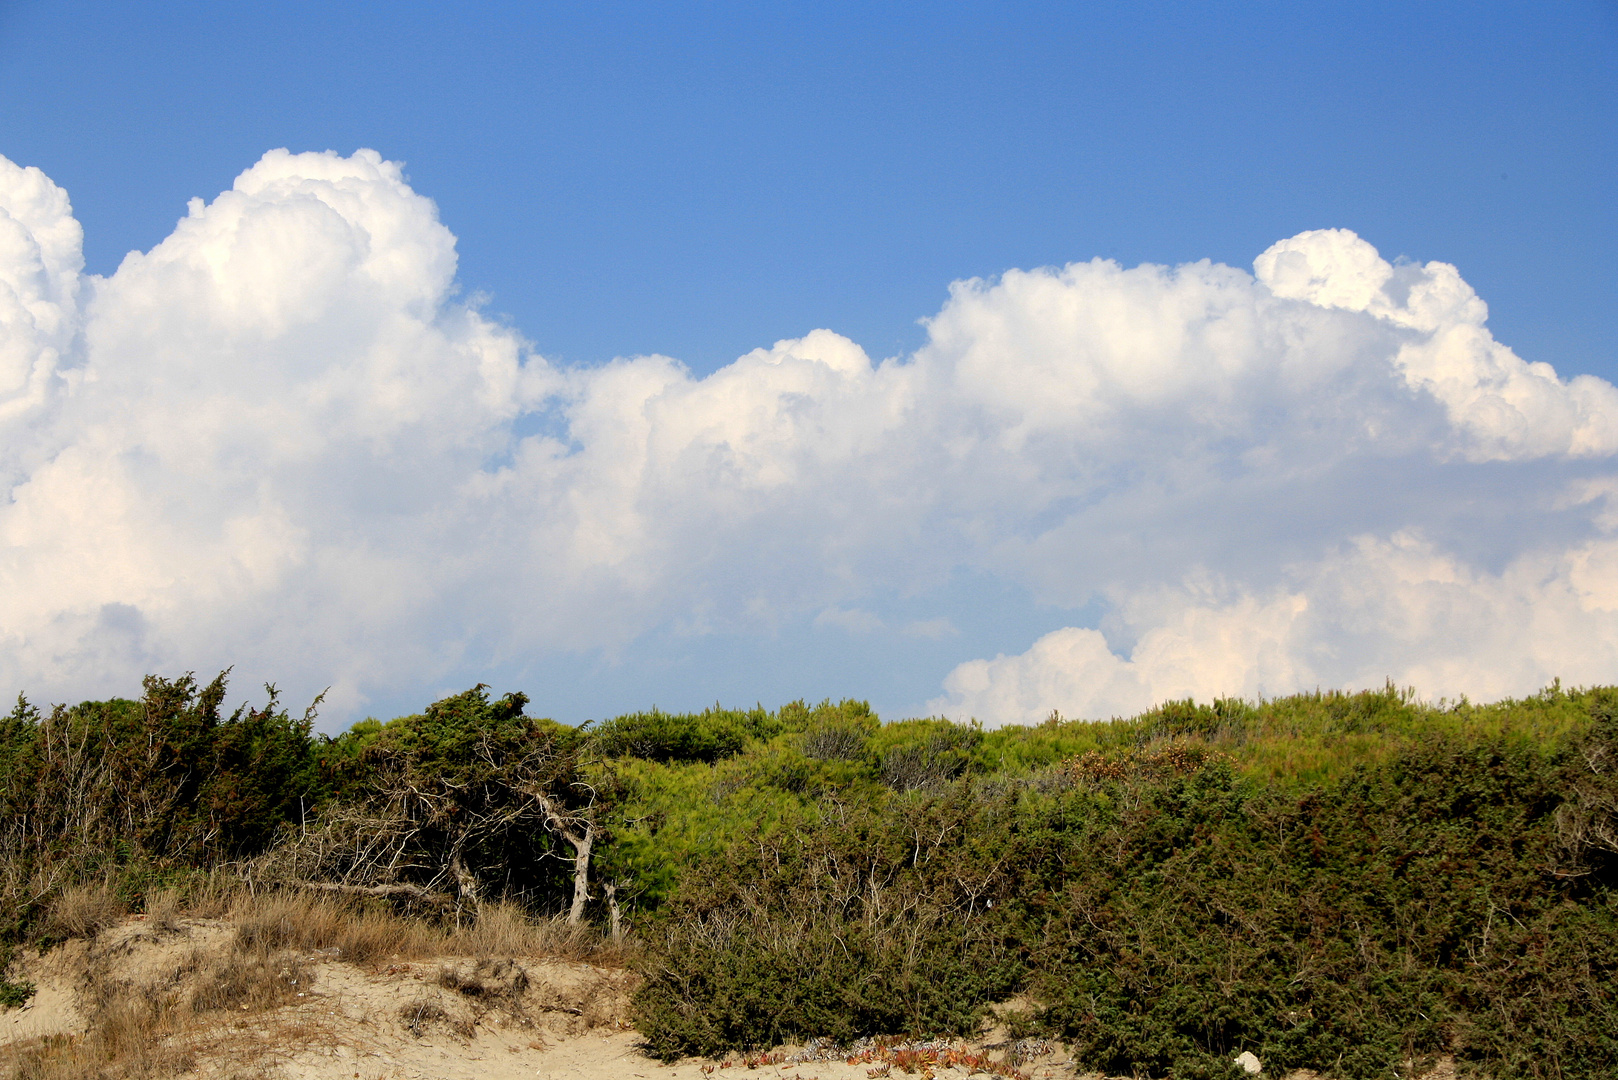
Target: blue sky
point(699, 179)
point(702, 180)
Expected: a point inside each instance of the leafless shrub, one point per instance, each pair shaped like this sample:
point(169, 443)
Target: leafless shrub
point(354, 851)
point(1587, 823)
point(438, 819)
point(926, 765)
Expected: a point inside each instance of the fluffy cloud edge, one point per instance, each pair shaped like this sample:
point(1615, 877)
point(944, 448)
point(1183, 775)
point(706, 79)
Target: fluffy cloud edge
point(1394, 609)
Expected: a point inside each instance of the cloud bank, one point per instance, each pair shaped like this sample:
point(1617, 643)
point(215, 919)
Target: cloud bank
point(282, 438)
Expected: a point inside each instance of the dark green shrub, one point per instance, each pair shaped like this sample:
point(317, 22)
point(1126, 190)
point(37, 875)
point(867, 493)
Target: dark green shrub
point(1377, 919)
point(863, 923)
point(1167, 914)
point(129, 790)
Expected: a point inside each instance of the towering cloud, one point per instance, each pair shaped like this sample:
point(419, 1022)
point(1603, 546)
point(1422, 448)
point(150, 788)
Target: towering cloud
point(281, 438)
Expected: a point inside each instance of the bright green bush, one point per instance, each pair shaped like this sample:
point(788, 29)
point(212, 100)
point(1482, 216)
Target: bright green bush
point(1168, 905)
point(708, 736)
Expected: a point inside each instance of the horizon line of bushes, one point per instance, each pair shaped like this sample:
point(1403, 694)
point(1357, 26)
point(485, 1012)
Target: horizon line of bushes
point(1340, 881)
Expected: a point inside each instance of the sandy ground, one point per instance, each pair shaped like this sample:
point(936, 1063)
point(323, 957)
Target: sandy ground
point(446, 1019)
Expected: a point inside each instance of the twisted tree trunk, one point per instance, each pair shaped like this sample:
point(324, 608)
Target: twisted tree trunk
point(615, 916)
point(581, 834)
point(465, 881)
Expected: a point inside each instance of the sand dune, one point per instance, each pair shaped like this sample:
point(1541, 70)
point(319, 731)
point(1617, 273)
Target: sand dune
point(185, 999)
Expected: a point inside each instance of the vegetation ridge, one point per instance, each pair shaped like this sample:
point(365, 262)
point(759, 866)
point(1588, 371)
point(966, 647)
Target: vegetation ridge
point(1349, 882)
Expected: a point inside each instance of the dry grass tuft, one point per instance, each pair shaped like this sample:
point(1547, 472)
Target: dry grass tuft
point(249, 982)
point(163, 911)
point(129, 1038)
point(291, 920)
point(506, 930)
point(363, 934)
point(213, 895)
point(501, 930)
point(423, 1015)
point(83, 911)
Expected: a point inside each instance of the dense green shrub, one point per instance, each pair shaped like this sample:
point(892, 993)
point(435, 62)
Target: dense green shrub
point(1336, 931)
point(1167, 911)
point(166, 781)
point(863, 922)
point(707, 736)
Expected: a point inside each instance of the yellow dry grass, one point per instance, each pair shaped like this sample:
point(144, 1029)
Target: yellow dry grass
point(366, 934)
point(83, 911)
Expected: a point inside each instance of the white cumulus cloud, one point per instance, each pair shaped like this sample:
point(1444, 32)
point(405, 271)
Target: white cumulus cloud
point(1376, 609)
point(283, 439)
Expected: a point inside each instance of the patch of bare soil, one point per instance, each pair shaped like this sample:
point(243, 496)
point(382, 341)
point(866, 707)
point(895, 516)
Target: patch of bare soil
point(187, 998)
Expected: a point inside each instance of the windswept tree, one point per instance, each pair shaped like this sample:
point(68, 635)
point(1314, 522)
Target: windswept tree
point(468, 799)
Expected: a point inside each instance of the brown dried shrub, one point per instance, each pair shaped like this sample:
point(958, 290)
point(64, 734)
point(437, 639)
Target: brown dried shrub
point(83, 911)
